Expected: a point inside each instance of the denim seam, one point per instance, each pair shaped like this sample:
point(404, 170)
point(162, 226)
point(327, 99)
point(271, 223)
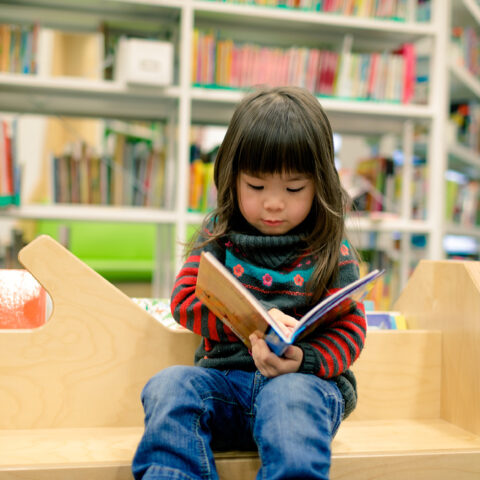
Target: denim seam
point(169, 472)
point(258, 383)
point(205, 464)
point(220, 399)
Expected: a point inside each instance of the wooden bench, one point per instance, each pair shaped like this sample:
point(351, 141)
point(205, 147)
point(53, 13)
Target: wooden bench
point(70, 390)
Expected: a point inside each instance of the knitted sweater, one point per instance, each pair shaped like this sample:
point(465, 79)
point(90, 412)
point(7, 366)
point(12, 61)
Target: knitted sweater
point(276, 271)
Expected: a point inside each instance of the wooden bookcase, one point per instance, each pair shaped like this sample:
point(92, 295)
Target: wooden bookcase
point(184, 105)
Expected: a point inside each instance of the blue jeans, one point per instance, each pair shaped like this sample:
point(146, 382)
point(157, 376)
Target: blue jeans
point(192, 411)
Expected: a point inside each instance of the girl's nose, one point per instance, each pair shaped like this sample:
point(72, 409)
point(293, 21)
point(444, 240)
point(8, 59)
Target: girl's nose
point(274, 202)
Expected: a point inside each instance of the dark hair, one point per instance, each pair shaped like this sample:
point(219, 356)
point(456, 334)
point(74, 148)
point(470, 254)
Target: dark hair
point(278, 130)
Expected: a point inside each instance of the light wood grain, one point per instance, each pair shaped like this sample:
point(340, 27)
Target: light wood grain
point(398, 376)
point(445, 296)
point(87, 366)
point(69, 391)
point(407, 445)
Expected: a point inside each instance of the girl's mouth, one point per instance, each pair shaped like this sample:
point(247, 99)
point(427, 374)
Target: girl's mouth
point(272, 223)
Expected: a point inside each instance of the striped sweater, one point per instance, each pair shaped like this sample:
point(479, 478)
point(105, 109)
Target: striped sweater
point(276, 272)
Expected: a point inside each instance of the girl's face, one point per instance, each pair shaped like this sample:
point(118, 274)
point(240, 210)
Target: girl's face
point(275, 203)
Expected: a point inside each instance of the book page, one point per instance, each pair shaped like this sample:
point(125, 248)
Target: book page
point(230, 301)
point(331, 305)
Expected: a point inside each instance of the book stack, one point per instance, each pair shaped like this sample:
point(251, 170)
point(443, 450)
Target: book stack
point(224, 63)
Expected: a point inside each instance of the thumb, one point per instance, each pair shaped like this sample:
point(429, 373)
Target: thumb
point(293, 353)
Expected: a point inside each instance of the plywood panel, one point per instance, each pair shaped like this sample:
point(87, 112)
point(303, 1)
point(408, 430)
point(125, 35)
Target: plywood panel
point(445, 296)
point(371, 449)
point(87, 366)
point(398, 375)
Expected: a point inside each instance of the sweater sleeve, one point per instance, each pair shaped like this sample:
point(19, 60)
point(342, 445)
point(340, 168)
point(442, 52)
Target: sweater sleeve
point(332, 348)
point(187, 309)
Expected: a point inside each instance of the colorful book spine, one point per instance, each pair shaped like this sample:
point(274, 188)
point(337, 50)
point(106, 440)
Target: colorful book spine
point(18, 48)
point(467, 48)
point(225, 63)
point(9, 167)
point(23, 301)
point(131, 172)
point(385, 9)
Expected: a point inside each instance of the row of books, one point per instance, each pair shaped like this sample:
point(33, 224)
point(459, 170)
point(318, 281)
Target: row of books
point(9, 164)
point(376, 186)
point(374, 76)
point(202, 194)
point(385, 9)
point(462, 200)
point(466, 48)
point(388, 9)
point(386, 289)
point(465, 117)
point(18, 48)
point(132, 173)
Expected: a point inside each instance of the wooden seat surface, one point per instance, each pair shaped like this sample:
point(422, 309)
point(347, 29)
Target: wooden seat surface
point(107, 452)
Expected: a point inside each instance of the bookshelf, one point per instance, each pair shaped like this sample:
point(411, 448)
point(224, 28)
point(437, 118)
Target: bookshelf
point(463, 152)
point(184, 104)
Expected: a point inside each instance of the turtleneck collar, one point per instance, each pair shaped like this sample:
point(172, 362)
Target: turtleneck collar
point(271, 251)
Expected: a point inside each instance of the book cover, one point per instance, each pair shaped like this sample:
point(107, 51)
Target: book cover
point(235, 306)
point(23, 301)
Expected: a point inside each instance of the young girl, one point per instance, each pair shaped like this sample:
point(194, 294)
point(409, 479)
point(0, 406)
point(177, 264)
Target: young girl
point(279, 228)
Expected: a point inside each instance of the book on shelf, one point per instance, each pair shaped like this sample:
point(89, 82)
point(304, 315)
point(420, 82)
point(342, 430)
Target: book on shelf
point(202, 192)
point(132, 171)
point(380, 192)
point(18, 48)
point(385, 320)
point(234, 305)
point(386, 9)
point(9, 168)
point(224, 63)
point(23, 301)
point(465, 42)
point(465, 123)
point(462, 199)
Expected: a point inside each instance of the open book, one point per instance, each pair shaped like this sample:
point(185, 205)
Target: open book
point(232, 303)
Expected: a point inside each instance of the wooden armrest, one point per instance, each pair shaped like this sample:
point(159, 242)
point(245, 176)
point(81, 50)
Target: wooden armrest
point(88, 364)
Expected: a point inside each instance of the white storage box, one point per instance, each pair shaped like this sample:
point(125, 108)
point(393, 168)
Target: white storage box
point(144, 62)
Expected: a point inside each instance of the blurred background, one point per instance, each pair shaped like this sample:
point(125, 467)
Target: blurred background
point(111, 114)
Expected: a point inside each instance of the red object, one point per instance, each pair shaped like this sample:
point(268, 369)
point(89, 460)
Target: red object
point(22, 300)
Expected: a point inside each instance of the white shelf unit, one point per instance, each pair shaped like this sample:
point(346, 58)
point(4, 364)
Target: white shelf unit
point(188, 105)
point(463, 86)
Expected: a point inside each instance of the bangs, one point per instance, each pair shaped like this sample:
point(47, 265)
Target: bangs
point(273, 144)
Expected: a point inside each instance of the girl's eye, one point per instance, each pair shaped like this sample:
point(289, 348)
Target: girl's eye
point(293, 190)
point(255, 187)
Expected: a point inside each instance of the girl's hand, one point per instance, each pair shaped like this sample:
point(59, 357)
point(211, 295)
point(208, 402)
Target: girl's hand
point(269, 364)
point(286, 323)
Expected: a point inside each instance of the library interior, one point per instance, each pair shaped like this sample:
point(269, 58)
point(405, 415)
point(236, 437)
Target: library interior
point(112, 113)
